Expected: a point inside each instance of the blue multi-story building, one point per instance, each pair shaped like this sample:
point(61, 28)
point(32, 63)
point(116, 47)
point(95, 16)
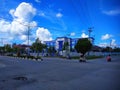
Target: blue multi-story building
point(58, 44)
point(73, 42)
point(50, 43)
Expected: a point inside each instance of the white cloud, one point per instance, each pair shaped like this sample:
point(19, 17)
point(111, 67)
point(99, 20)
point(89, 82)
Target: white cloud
point(113, 42)
point(24, 11)
point(72, 34)
point(43, 34)
point(54, 18)
point(26, 42)
point(59, 15)
point(22, 16)
point(23, 37)
point(106, 36)
point(50, 15)
point(112, 12)
point(42, 14)
point(11, 12)
point(17, 28)
point(4, 26)
point(104, 44)
point(32, 24)
point(83, 35)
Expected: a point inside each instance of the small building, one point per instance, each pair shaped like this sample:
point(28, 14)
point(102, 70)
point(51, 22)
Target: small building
point(58, 43)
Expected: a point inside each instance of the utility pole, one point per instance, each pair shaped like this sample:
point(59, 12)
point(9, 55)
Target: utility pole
point(28, 34)
point(89, 37)
point(110, 48)
point(28, 30)
point(90, 30)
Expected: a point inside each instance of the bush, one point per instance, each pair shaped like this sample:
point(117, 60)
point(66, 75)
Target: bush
point(93, 57)
point(87, 57)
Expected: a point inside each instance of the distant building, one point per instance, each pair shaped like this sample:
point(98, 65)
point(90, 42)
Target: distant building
point(22, 48)
point(59, 43)
point(50, 43)
point(73, 42)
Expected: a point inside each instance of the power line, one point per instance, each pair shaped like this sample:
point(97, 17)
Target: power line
point(84, 10)
point(77, 12)
point(28, 29)
point(88, 13)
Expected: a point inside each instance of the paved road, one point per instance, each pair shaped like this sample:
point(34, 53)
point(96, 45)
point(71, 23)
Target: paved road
point(59, 74)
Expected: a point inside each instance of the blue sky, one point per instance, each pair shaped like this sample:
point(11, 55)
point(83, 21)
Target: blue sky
point(48, 19)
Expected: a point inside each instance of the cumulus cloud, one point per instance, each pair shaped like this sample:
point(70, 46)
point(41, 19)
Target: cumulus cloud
point(23, 37)
point(59, 15)
point(106, 36)
point(22, 19)
point(11, 12)
point(18, 28)
point(83, 35)
point(43, 34)
point(112, 12)
point(22, 16)
point(4, 26)
point(111, 43)
point(24, 11)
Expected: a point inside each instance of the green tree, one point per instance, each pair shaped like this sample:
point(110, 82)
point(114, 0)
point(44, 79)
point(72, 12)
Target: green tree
point(83, 45)
point(38, 46)
point(2, 49)
point(107, 49)
point(66, 46)
point(8, 48)
point(16, 49)
point(116, 49)
point(51, 50)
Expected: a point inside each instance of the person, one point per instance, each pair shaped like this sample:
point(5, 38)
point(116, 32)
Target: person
point(82, 58)
point(68, 56)
point(109, 58)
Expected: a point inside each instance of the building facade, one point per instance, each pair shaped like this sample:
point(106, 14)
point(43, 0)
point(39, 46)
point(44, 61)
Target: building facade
point(58, 44)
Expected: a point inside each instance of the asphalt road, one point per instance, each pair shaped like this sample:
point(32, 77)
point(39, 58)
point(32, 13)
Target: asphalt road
point(59, 74)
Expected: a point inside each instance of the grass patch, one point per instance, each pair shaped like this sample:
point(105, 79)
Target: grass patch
point(93, 57)
point(88, 57)
point(26, 56)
